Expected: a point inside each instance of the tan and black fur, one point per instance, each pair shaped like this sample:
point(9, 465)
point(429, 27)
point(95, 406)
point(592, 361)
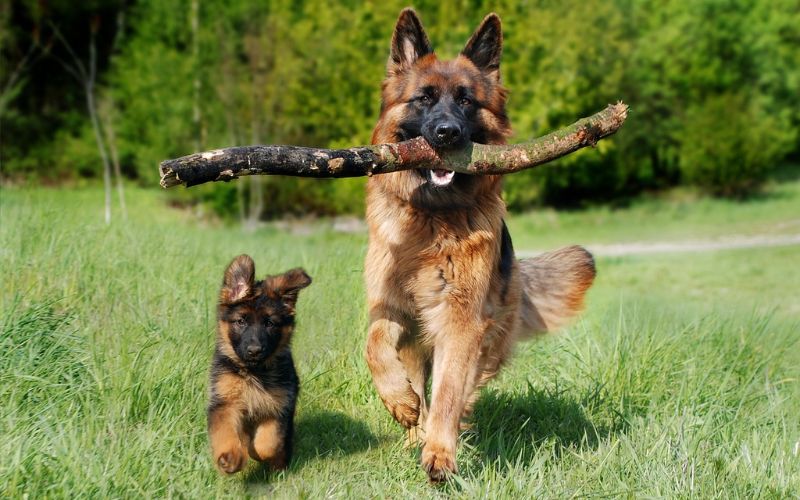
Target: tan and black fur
point(447, 298)
point(254, 385)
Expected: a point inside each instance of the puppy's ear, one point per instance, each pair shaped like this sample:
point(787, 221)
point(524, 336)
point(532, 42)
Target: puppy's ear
point(286, 286)
point(409, 42)
point(238, 281)
point(485, 46)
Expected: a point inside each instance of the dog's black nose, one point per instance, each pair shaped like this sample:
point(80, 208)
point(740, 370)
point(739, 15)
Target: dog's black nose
point(253, 350)
point(448, 133)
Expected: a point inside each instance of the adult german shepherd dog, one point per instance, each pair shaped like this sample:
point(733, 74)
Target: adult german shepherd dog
point(447, 298)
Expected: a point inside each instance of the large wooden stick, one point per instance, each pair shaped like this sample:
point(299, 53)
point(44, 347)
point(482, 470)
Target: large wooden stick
point(230, 163)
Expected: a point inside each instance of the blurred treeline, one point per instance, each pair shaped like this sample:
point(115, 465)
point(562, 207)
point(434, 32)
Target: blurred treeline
point(714, 87)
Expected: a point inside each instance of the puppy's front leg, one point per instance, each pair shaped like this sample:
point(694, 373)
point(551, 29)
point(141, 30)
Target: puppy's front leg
point(455, 363)
point(272, 442)
point(228, 441)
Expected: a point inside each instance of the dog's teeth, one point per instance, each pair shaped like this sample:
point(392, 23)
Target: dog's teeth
point(441, 177)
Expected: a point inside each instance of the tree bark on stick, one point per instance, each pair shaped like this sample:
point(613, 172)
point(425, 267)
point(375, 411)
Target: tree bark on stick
point(476, 159)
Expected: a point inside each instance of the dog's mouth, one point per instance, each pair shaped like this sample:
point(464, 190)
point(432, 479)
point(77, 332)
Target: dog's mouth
point(439, 177)
point(253, 362)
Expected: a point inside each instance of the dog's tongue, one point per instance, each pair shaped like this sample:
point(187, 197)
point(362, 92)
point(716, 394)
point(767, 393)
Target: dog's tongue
point(441, 177)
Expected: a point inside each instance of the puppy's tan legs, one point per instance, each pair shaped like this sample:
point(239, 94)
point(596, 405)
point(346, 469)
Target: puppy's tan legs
point(228, 441)
point(268, 444)
point(389, 373)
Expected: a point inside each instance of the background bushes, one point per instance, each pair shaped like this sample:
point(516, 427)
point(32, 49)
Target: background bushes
point(712, 85)
point(730, 153)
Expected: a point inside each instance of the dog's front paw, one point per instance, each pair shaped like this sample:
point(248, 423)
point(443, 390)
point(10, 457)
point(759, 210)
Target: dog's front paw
point(404, 409)
point(438, 462)
point(231, 461)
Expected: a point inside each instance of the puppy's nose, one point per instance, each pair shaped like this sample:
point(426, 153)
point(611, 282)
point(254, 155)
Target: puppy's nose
point(253, 350)
point(448, 133)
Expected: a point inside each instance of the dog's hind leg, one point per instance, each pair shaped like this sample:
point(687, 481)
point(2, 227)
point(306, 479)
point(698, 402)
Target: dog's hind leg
point(416, 359)
point(498, 343)
point(389, 373)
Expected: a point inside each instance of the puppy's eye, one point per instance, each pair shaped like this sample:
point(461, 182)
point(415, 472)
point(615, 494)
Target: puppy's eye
point(268, 322)
point(241, 322)
point(424, 99)
point(465, 101)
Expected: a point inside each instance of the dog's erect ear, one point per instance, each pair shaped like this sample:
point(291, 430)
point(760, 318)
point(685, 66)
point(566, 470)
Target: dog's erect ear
point(286, 286)
point(409, 42)
point(238, 281)
point(486, 45)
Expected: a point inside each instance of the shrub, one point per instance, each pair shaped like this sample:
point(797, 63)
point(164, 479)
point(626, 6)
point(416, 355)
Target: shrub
point(728, 144)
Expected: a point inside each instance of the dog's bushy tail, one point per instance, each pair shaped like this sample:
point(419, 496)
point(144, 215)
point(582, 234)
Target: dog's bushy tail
point(553, 287)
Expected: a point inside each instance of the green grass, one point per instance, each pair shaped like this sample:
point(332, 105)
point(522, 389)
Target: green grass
point(676, 215)
point(681, 380)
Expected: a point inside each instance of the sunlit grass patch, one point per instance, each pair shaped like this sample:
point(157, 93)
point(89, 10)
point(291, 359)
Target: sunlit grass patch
point(680, 380)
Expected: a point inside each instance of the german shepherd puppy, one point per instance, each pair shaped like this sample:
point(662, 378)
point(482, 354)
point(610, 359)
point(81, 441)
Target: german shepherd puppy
point(254, 385)
point(446, 295)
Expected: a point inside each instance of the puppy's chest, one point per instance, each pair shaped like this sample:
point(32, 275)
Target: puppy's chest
point(259, 396)
point(261, 401)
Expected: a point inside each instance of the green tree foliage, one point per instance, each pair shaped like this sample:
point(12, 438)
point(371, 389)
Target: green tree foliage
point(704, 57)
point(727, 145)
point(714, 87)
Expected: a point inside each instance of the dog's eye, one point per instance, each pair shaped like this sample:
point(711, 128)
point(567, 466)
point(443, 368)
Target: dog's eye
point(423, 99)
point(465, 101)
point(241, 322)
point(268, 322)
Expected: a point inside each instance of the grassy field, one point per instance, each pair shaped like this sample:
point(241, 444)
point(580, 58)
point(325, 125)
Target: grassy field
point(681, 380)
point(677, 215)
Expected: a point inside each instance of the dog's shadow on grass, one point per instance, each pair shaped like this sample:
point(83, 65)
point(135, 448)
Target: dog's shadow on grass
point(515, 427)
point(321, 434)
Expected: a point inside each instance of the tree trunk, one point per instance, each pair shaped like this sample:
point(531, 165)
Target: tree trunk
point(87, 79)
point(98, 134)
point(107, 112)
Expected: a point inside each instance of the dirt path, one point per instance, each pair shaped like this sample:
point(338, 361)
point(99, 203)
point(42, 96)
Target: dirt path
point(640, 248)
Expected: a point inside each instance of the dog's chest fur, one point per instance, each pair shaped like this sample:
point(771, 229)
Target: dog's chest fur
point(261, 394)
point(435, 258)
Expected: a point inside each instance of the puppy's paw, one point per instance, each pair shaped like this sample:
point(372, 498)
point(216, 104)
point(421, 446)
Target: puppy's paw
point(438, 462)
point(231, 461)
point(278, 463)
